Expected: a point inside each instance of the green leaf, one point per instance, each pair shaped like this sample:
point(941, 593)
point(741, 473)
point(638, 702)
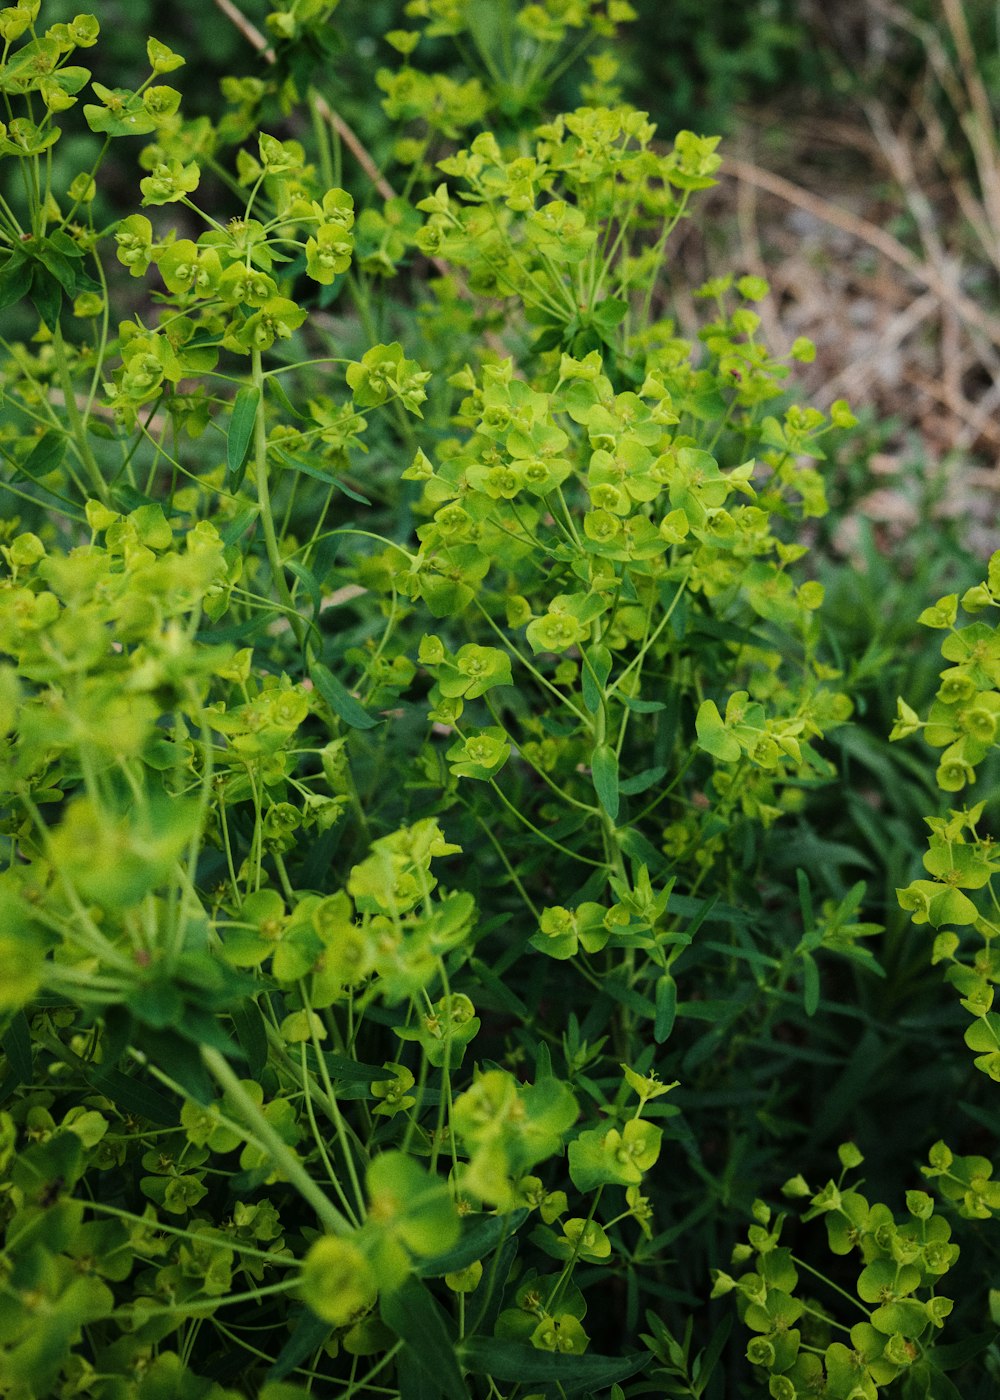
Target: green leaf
point(131, 1095)
point(596, 669)
point(639, 707)
point(319, 472)
point(810, 984)
point(983, 1036)
point(309, 1333)
point(240, 523)
point(45, 456)
point(481, 1238)
point(605, 1156)
point(908, 1317)
point(57, 264)
point(505, 998)
point(708, 1359)
point(251, 1035)
point(411, 1203)
point(46, 295)
point(16, 1044)
point(310, 582)
point(277, 392)
point(604, 770)
point(418, 1320)
point(413, 1380)
point(666, 1008)
point(241, 427)
point(13, 282)
point(955, 1354)
point(713, 736)
point(641, 782)
point(130, 120)
point(340, 700)
point(516, 1361)
point(610, 312)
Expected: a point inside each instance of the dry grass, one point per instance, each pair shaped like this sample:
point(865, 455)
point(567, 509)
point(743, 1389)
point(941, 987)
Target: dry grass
point(878, 227)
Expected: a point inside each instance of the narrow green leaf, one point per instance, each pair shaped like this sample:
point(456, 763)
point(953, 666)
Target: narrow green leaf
point(340, 700)
point(723, 1010)
point(277, 392)
point(16, 1043)
point(412, 1313)
point(309, 1333)
point(504, 997)
point(955, 1354)
point(349, 1071)
point(251, 1035)
point(350, 493)
point(309, 581)
point(490, 1294)
point(708, 1359)
point(639, 707)
point(241, 426)
point(810, 984)
point(45, 456)
point(805, 899)
point(479, 1239)
point(625, 995)
point(13, 282)
point(596, 669)
point(639, 848)
point(666, 1008)
point(319, 472)
point(131, 1095)
point(240, 522)
point(238, 632)
point(604, 770)
point(516, 1361)
point(641, 782)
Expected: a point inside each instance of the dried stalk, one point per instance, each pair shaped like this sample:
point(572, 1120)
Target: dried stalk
point(866, 232)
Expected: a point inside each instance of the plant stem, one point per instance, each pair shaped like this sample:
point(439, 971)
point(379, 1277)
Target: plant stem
point(264, 501)
point(284, 1158)
point(79, 428)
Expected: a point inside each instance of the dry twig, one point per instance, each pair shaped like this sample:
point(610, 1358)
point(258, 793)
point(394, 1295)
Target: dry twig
point(866, 232)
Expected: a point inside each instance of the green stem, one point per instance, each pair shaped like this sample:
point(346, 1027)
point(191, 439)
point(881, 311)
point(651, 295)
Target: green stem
point(76, 422)
point(801, 1264)
point(334, 1107)
point(264, 501)
point(549, 841)
point(284, 1158)
point(190, 1305)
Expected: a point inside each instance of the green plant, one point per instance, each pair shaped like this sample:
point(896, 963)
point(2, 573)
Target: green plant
point(410, 675)
point(903, 1261)
point(959, 860)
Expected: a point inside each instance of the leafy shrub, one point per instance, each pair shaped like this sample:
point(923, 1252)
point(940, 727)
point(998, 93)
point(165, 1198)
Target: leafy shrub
point(412, 678)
